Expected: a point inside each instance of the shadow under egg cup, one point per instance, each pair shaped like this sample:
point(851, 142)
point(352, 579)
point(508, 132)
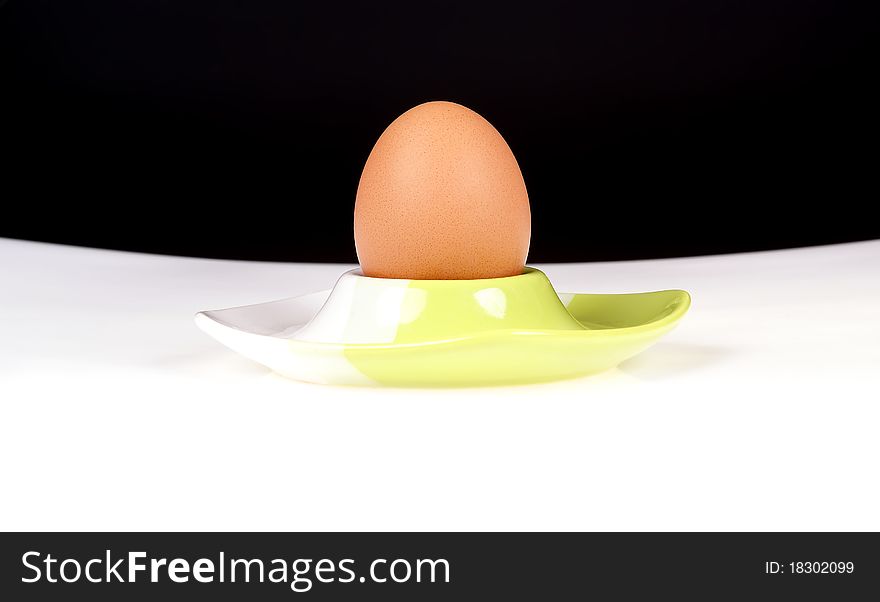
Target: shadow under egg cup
point(430, 333)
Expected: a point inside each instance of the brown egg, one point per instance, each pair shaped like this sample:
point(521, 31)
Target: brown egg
point(441, 197)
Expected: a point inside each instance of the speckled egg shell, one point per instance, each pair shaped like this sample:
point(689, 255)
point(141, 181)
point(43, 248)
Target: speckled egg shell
point(441, 197)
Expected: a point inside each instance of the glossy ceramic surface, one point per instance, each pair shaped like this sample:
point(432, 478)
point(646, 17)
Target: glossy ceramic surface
point(377, 331)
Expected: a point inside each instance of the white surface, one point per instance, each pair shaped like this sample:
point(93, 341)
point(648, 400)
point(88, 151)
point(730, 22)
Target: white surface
point(760, 412)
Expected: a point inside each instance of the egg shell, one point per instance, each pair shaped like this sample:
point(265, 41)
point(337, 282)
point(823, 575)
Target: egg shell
point(441, 197)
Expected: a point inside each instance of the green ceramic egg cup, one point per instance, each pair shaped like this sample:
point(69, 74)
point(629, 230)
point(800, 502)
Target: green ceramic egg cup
point(430, 333)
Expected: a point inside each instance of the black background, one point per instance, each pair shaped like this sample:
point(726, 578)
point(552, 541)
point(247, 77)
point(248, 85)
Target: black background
point(238, 129)
point(483, 566)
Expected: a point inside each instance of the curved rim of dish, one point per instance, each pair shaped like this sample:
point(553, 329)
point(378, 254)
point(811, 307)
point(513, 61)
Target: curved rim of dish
point(679, 305)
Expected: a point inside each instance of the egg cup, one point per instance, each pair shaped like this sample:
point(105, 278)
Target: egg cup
point(436, 333)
